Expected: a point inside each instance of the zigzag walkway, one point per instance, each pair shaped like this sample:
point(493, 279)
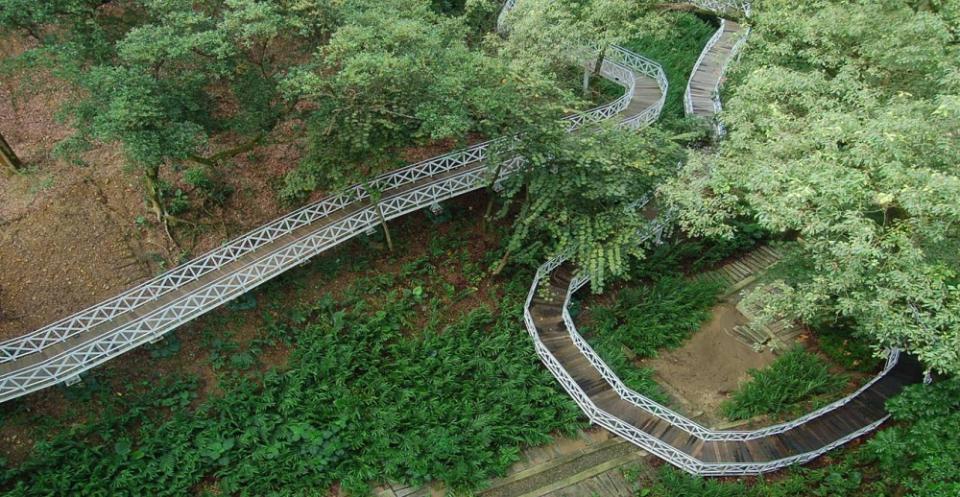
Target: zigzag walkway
point(663, 432)
point(61, 351)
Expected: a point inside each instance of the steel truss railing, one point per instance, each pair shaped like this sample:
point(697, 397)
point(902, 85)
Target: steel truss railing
point(447, 176)
point(715, 91)
point(645, 440)
point(193, 270)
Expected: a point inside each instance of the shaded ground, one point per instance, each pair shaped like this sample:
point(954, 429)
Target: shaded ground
point(416, 236)
point(700, 374)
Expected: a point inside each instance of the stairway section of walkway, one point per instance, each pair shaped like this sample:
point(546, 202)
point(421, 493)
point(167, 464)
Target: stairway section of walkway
point(61, 351)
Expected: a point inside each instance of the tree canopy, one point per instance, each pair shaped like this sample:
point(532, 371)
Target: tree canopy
point(844, 137)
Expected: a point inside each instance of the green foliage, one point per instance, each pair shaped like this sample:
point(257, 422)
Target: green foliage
point(368, 394)
point(396, 74)
point(662, 314)
point(795, 376)
point(922, 454)
point(581, 192)
point(208, 184)
point(842, 119)
point(831, 481)
point(843, 346)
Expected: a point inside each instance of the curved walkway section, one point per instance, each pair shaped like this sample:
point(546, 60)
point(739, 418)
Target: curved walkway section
point(673, 437)
point(702, 96)
point(61, 351)
point(676, 439)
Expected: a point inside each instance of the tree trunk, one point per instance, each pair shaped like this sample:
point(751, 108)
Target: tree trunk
point(598, 65)
point(490, 200)
point(386, 229)
point(152, 196)
point(586, 83)
point(154, 199)
point(11, 163)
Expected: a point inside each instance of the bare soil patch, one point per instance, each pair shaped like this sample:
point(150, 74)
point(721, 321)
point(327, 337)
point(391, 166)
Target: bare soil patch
point(700, 374)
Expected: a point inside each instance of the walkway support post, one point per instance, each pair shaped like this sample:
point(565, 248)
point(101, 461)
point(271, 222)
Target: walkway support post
point(11, 163)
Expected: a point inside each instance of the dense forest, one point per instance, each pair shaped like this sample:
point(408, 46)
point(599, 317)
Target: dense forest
point(400, 356)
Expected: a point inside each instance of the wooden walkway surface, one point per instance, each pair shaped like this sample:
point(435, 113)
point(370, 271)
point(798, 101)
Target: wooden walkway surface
point(34, 368)
point(706, 78)
point(863, 410)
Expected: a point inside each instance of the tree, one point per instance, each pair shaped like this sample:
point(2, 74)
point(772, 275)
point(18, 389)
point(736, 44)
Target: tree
point(163, 77)
point(844, 138)
point(581, 193)
point(397, 74)
point(11, 163)
point(559, 34)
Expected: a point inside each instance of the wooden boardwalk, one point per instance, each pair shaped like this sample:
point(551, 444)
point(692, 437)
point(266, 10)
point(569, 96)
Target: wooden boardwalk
point(707, 75)
point(862, 412)
point(42, 359)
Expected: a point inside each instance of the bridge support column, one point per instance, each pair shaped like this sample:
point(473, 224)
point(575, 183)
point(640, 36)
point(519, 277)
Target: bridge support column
point(71, 381)
point(436, 208)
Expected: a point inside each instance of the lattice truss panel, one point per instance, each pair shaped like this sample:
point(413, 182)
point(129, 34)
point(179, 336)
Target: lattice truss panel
point(404, 190)
point(652, 444)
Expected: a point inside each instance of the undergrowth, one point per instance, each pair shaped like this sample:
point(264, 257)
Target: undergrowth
point(794, 377)
point(385, 381)
point(662, 314)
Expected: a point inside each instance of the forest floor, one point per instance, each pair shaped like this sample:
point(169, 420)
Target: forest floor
point(700, 374)
point(74, 235)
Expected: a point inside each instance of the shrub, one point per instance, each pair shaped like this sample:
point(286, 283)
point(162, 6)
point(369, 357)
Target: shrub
point(662, 314)
point(794, 377)
point(839, 341)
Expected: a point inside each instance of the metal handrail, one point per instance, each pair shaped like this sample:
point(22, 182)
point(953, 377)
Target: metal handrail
point(715, 91)
point(619, 66)
point(632, 433)
point(618, 70)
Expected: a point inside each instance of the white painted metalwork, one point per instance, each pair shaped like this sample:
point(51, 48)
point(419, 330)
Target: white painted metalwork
point(677, 419)
point(687, 97)
point(321, 225)
point(715, 91)
point(645, 440)
point(723, 6)
point(655, 231)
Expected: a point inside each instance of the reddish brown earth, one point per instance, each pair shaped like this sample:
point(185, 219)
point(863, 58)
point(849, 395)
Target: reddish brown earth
point(702, 373)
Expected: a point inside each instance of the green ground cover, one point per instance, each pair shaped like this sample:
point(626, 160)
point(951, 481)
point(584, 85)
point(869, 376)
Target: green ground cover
point(795, 377)
point(401, 376)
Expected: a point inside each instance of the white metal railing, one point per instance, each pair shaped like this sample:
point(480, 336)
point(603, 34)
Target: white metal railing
point(444, 176)
point(722, 6)
point(632, 433)
point(716, 105)
point(687, 96)
point(682, 422)
point(230, 252)
point(656, 446)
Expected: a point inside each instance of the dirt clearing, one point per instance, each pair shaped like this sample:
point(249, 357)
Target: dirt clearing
point(700, 374)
